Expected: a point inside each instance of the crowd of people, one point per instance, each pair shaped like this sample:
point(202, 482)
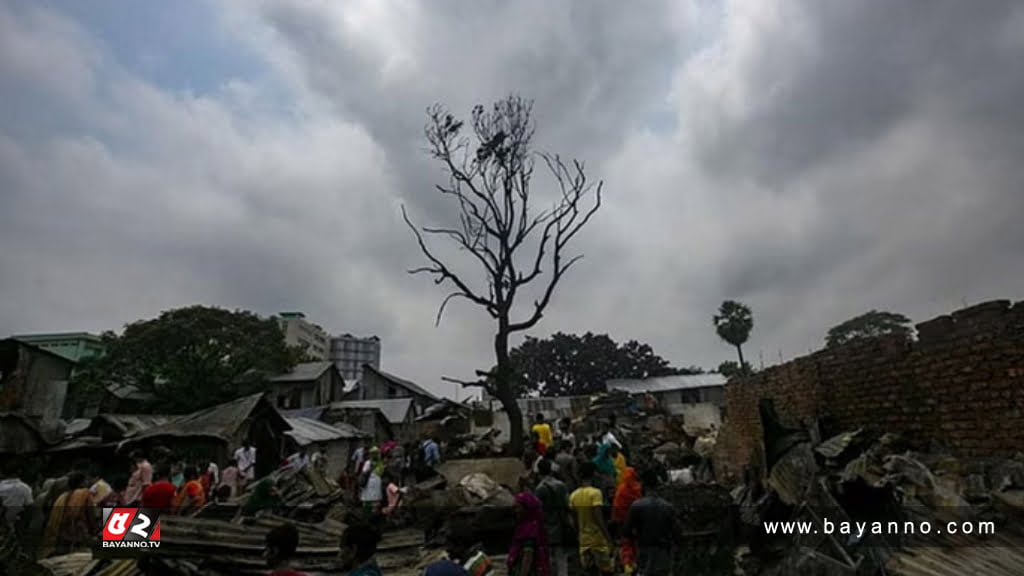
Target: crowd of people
point(585, 495)
point(65, 513)
point(577, 495)
point(380, 475)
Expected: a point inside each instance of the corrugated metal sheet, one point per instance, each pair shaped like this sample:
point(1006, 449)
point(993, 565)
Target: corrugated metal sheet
point(303, 372)
point(122, 567)
point(129, 392)
point(80, 443)
point(313, 413)
point(413, 387)
point(554, 407)
point(667, 383)
point(130, 424)
point(76, 426)
point(996, 556)
point(69, 564)
point(306, 431)
point(219, 421)
point(394, 410)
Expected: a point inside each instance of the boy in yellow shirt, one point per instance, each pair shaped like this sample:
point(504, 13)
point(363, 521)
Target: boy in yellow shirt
point(594, 538)
point(543, 430)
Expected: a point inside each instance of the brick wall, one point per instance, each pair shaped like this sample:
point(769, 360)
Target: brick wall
point(960, 384)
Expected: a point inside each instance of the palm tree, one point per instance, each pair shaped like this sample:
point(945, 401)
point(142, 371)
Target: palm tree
point(733, 323)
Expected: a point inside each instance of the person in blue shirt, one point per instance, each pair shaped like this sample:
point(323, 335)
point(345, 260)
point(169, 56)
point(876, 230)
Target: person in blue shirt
point(431, 452)
point(445, 567)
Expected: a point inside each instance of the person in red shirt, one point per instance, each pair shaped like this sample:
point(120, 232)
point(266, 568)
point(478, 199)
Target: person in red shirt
point(159, 494)
point(191, 497)
point(282, 542)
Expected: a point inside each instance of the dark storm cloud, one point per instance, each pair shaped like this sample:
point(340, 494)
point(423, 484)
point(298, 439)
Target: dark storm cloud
point(825, 159)
point(593, 68)
point(831, 77)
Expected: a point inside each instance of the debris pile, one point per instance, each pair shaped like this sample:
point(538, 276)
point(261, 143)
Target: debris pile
point(707, 520)
point(470, 445)
point(478, 511)
point(881, 500)
point(194, 546)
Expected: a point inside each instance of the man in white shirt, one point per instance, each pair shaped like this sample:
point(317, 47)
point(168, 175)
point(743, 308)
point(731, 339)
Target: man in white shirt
point(609, 435)
point(246, 458)
point(564, 433)
point(15, 495)
point(214, 471)
point(371, 495)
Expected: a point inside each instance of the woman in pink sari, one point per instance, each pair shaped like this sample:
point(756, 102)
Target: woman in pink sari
point(528, 554)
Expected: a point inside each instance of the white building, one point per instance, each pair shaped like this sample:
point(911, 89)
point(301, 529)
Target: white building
point(349, 353)
point(300, 332)
point(682, 389)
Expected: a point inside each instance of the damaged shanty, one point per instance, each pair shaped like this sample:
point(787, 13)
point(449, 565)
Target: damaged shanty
point(887, 507)
point(336, 443)
point(33, 385)
point(216, 432)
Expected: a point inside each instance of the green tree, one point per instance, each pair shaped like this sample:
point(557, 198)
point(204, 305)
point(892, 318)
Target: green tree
point(869, 325)
point(733, 323)
point(191, 358)
point(731, 368)
point(515, 248)
point(570, 364)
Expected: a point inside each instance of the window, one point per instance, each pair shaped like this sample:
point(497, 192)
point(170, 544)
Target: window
point(392, 392)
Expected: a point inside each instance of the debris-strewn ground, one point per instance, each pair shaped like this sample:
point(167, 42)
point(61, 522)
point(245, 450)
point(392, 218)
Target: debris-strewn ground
point(853, 477)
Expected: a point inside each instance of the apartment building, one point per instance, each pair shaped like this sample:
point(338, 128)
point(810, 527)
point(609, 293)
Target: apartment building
point(300, 332)
point(349, 353)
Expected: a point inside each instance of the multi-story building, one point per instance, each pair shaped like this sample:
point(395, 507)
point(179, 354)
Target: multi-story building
point(349, 353)
point(300, 332)
point(71, 345)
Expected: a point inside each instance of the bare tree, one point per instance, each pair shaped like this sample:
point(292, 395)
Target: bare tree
point(511, 243)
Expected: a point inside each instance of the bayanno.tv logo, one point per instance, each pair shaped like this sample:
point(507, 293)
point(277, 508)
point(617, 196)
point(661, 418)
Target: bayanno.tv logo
point(131, 528)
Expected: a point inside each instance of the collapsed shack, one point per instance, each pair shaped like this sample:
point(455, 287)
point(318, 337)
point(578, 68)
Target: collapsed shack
point(874, 481)
point(19, 435)
point(708, 524)
point(445, 421)
point(96, 440)
point(214, 433)
point(336, 442)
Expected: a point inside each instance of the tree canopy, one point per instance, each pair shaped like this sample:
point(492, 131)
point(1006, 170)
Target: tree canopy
point(570, 364)
point(869, 325)
point(733, 324)
point(190, 358)
point(731, 368)
point(517, 246)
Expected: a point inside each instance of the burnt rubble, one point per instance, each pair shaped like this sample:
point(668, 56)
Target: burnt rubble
point(857, 477)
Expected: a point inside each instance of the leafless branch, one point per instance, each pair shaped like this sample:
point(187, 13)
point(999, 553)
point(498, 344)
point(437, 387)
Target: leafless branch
point(565, 221)
point(442, 272)
point(482, 383)
point(489, 163)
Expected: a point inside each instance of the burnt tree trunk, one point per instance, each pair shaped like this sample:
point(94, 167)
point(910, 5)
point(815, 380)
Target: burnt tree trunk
point(505, 391)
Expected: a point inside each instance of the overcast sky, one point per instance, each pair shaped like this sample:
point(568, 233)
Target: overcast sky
point(812, 159)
